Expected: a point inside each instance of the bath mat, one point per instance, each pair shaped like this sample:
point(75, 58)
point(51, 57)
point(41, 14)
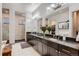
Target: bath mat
point(25, 45)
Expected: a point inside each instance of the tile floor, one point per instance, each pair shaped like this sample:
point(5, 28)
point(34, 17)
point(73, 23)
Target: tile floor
point(18, 51)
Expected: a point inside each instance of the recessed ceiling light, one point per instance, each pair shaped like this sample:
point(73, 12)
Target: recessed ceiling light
point(52, 5)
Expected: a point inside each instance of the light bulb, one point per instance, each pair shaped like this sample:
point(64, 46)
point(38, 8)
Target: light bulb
point(52, 5)
point(48, 8)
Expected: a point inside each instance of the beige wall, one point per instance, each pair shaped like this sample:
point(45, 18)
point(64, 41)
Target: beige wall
point(72, 7)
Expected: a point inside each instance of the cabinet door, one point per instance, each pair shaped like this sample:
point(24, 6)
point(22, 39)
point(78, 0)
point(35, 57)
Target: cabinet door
point(44, 50)
point(53, 52)
point(62, 54)
point(40, 48)
point(36, 45)
point(29, 37)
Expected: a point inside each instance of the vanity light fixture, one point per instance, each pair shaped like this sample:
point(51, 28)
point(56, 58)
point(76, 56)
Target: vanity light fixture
point(48, 8)
point(54, 6)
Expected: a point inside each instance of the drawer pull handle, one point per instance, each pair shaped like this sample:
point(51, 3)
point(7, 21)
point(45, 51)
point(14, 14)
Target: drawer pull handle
point(59, 52)
point(66, 51)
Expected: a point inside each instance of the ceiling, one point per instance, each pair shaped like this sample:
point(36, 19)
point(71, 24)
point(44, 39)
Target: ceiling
point(43, 11)
point(36, 9)
point(29, 7)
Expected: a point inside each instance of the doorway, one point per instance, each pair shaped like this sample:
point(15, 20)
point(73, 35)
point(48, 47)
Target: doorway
point(19, 27)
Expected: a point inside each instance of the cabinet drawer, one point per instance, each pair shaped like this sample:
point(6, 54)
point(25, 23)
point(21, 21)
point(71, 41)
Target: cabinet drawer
point(63, 54)
point(45, 49)
point(68, 50)
point(44, 42)
point(52, 44)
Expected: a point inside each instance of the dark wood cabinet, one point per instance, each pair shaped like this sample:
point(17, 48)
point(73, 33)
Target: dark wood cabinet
point(40, 49)
point(67, 50)
point(45, 49)
point(52, 48)
point(62, 54)
point(48, 48)
point(53, 52)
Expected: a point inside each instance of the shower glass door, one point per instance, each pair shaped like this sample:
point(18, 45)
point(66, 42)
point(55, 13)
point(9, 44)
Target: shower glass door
point(5, 25)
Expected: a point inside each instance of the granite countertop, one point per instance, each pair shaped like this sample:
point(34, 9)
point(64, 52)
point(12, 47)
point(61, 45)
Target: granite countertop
point(69, 44)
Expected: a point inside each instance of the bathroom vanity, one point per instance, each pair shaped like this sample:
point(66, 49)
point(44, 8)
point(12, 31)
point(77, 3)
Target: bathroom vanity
point(52, 46)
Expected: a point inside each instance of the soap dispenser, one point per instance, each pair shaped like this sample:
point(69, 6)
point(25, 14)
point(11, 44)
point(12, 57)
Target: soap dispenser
point(64, 37)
